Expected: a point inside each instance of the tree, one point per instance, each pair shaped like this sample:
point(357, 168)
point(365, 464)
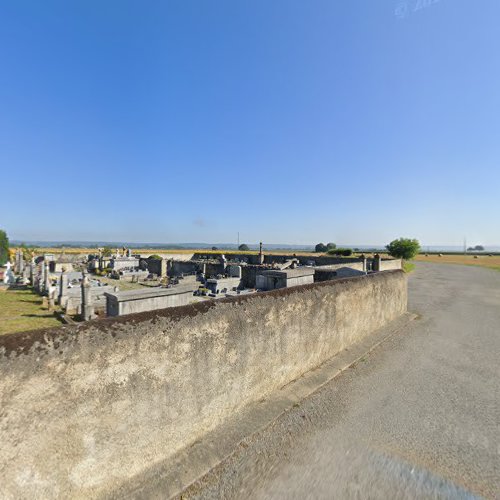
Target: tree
point(346, 252)
point(106, 252)
point(214, 248)
point(4, 248)
point(243, 247)
point(331, 246)
point(403, 248)
point(320, 248)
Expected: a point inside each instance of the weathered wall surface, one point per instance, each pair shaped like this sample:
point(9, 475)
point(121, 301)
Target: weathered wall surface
point(176, 268)
point(85, 408)
point(168, 255)
point(326, 273)
point(319, 260)
point(391, 264)
point(118, 304)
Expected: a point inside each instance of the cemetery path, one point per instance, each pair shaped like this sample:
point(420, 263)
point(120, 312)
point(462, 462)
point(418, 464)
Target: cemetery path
point(418, 417)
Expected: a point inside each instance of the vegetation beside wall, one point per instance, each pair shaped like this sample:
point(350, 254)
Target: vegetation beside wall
point(408, 267)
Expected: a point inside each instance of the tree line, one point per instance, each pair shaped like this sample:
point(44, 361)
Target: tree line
point(402, 248)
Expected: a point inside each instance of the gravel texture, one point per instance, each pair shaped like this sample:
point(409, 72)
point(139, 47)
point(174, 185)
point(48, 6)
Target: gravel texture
point(418, 417)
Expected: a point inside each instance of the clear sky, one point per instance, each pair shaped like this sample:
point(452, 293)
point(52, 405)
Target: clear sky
point(290, 121)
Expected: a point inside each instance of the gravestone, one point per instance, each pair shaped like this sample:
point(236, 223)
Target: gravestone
point(63, 286)
point(46, 276)
point(87, 310)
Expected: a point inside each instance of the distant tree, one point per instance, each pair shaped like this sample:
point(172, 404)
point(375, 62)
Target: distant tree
point(243, 247)
point(320, 248)
point(106, 252)
point(346, 252)
point(215, 248)
point(479, 248)
point(331, 246)
point(4, 248)
point(403, 248)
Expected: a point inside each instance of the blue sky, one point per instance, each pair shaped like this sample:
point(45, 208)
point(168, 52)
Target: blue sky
point(288, 121)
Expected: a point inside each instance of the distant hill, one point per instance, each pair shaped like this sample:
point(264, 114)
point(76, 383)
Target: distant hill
point(160, 246)
point(228, 246)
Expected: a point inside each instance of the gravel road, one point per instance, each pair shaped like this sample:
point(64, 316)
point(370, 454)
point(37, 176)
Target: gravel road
point(417, 418)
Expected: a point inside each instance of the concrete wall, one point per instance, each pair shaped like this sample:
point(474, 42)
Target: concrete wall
point(168, 255)
point(326, 273)
point(300, 280)
point(176, 268)
point(319, 260)
point(157, 266)
point(72, 299)
point(124, 263)
point(216, 286)
point(272, 280)
point(249, 275)
point(391, 264)
point(135, 301)
point(85, 408)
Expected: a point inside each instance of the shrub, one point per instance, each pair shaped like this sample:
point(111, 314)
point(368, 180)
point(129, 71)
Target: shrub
point(243, 248)
point(403, 248)
point(320, 248)
point(346, 252)
point(107, 252)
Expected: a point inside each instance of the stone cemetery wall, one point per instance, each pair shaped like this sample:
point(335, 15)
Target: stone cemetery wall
point(86, 408)
point(391, 264)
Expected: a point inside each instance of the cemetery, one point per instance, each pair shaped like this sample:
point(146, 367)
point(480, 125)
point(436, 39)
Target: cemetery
point(95, 286)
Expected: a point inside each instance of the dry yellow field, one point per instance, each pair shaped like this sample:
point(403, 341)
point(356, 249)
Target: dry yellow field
point(468, 260)
point(77, 251)
point(482, 261)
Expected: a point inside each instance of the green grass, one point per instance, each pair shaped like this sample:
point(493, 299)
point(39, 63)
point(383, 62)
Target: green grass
point(22, 310)
point(408, 267)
